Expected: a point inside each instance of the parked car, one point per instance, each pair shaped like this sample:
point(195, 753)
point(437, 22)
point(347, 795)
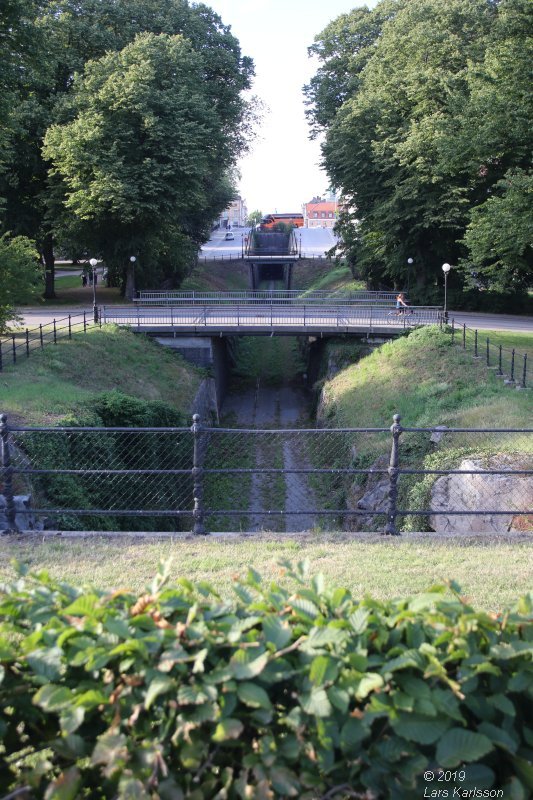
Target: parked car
point(229, 236)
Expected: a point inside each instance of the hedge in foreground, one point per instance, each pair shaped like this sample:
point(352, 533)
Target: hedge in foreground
point(278, 693)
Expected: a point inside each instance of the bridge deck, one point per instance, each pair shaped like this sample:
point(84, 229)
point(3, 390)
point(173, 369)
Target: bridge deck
point(266, 320)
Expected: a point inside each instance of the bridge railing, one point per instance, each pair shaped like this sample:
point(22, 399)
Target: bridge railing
point(171, 479)
point(278, 297)
point(295, 317)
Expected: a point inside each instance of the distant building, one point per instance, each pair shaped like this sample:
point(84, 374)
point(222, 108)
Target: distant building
point(235, 215)
point(320, 213)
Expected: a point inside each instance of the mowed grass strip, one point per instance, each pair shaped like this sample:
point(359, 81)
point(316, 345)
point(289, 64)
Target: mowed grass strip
point(493, 572)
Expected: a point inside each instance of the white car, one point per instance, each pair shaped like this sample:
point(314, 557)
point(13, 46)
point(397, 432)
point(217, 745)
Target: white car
point(229, 236)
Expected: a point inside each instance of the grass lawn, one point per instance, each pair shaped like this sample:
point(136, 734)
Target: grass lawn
point(492, 572)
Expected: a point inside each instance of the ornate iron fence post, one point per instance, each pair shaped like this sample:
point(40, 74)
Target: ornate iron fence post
point(475, 344)
point(7, 480)
point(500, 361)
point(197, 475)
point(396, 429)
point(524, 373)
point(512, 366)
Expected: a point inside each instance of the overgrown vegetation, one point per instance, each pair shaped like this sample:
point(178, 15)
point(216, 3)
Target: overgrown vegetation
point(61, 379)
point(277, 692)
point(430, 382)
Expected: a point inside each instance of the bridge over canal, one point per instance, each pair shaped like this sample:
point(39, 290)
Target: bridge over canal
point(269, 313)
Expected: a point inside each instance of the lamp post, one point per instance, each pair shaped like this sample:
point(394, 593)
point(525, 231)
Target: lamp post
point(446, 268)
point(93, 262)
point(132, 261)
point(410, 261)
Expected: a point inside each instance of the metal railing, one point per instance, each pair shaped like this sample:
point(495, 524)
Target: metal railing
point(20, 342)
point(203, 478)
point(291, 318)
point(276, 297)
point(508, 363)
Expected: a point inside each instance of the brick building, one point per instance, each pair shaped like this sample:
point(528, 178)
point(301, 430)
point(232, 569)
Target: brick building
point(320, 213)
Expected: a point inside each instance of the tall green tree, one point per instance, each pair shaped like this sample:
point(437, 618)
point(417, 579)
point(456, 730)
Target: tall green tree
point(20, 275)
point(75, 32)
point(411, 137)
point(143, 152)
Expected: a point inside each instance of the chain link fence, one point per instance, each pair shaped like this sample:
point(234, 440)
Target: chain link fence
point(205, 479)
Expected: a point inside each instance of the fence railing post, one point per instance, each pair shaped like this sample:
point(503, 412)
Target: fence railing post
point(85, 322)
point(55, 332)
point(500, 361)
point(488, 355)
point(512, 366)
point(475, 344)
point(69, 327)
point(7, 471)
point(524, 373)
point(27, 343)
point(464, 335)
point(14, 349)
point(396, 429)
point(41, 340)
point(197, 475)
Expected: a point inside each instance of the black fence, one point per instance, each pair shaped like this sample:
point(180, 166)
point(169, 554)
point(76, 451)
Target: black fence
point(203, 479)
point(507, 362)
point(21, 342)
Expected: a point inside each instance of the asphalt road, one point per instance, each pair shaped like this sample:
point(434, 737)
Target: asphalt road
point(501, 322)
point(314, 242)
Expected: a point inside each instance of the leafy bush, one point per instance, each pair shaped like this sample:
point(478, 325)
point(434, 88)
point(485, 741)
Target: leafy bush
point(282, 692)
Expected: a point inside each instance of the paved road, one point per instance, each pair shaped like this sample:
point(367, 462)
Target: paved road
point(314, 242)
point(502, 322)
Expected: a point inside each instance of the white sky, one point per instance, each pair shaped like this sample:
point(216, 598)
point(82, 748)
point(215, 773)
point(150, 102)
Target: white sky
point(281, 171)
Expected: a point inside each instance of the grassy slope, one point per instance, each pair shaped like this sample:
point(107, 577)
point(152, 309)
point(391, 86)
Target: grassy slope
point(429, 382)
point(54, 381)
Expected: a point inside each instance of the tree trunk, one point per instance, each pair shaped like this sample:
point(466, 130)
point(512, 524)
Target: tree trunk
point(49, 267)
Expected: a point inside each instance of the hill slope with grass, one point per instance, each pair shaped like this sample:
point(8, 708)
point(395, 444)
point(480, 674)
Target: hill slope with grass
point(427, 380)
point(63, 380)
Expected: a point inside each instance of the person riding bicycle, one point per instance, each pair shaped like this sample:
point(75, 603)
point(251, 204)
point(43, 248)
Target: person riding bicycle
point(400, 303)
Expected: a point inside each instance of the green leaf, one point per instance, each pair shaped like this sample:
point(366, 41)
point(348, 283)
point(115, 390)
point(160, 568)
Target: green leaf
point(111, 748)
point(525, 770)
point(419, 728)
point(46, 662)
point(339, 698)
point(159, 685)
point(71, 719)
point(323, 670)
point(243, 665)
point(228, 729)
point(368, 684)
point(52, 697)
point(253, 695)
point(91, 698)
point(358, 620)
point(352, 734)
point(284, 782)
point(65, 787)
point(83, 606)
point(276, 631)
point(304, 608)
point(498, 736)
point(241, 626)
point(508, 650)
point(316, 703)
point(411, 658)
point(458, 745)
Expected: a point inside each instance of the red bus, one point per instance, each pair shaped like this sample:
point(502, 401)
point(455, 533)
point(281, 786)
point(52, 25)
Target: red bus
point(269, 222)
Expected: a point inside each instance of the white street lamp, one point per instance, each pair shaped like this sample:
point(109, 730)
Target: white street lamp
point(93, 262)
point(446, 268)
point(132, 260)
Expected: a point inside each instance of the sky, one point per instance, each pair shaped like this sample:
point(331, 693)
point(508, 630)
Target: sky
point(281, 171)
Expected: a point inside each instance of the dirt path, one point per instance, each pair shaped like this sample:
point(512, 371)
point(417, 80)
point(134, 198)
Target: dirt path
point(271, 408)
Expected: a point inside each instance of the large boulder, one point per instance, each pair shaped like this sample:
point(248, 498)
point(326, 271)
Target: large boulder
point(24, 519)
point(504, 492)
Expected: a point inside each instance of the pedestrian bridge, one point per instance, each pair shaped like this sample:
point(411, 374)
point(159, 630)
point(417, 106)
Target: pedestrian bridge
point(269, 313)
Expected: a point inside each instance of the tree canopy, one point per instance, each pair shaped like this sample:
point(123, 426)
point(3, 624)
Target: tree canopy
point(426, 111)
point(76, 45)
